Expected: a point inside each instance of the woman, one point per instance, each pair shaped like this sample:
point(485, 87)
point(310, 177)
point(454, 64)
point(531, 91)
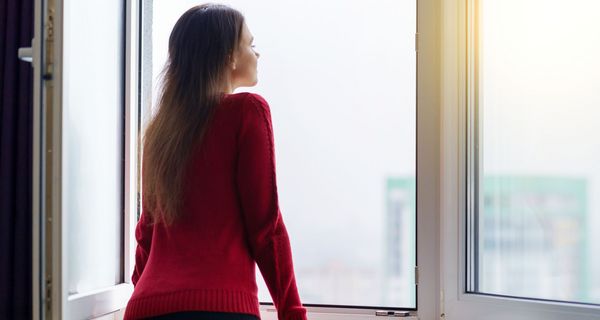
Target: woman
point(210, 207)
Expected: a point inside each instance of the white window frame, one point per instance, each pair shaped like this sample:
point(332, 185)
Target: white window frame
point(427, 45)
point(49, 263)
point(456, 303)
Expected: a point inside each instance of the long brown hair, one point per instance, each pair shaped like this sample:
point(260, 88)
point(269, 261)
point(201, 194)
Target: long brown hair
point(200, 46)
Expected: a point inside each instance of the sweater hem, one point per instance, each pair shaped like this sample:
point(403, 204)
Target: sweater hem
point(212, 300)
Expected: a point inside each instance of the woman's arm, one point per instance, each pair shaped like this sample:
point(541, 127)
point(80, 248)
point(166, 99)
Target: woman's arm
point(257, 187)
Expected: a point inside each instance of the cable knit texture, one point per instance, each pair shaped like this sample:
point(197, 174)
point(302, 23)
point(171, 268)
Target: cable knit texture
point(231, 222)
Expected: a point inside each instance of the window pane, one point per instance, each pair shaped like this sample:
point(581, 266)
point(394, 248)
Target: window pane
point(540, 113)
point(340, 79)
point(93, 144)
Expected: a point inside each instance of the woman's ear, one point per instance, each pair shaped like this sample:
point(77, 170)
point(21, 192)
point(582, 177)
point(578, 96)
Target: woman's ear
point(232, 61)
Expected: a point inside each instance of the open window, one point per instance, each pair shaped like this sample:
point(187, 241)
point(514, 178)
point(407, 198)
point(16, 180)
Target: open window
point(519, 169)
point(85, 157)
point(340, 77)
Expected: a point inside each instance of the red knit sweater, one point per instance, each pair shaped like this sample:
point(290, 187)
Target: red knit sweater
point(231, 221)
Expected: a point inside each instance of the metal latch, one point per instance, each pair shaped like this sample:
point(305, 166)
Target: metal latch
point(385, 313)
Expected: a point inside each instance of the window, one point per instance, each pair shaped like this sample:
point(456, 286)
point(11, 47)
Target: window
point(518, 180)
point(537, 179)
point(84, 157)
point(340, 79)
point(93, 127)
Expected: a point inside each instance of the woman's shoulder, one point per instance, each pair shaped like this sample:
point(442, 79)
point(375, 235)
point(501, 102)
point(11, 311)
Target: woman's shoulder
point(248, 99)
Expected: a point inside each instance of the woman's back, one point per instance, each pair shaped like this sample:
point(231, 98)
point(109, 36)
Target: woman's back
point(230, 219)
point(209, 194)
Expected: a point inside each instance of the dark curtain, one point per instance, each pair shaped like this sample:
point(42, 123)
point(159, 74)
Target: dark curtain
point(16, 30)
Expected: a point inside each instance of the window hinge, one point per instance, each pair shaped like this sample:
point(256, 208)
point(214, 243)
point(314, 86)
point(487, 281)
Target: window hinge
point(48, 298)
point(442, 306)
point(417, 42)
point(416, 275)
point(49, 38)
point(385, 313)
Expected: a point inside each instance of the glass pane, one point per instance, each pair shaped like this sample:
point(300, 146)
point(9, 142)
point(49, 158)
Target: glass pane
point(340, 79)
point(540, 114)
point(93, 144)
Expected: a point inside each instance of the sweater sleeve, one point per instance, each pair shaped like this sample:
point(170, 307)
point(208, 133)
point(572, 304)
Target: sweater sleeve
point(256, 181)
point(143, 236)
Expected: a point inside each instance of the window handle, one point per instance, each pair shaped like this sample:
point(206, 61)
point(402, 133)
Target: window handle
point(26, 54)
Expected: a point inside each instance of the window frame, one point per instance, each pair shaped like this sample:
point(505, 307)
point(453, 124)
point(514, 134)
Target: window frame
point(112, 299)
point(458, 94)
point(50, 298)
point(427, 45)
